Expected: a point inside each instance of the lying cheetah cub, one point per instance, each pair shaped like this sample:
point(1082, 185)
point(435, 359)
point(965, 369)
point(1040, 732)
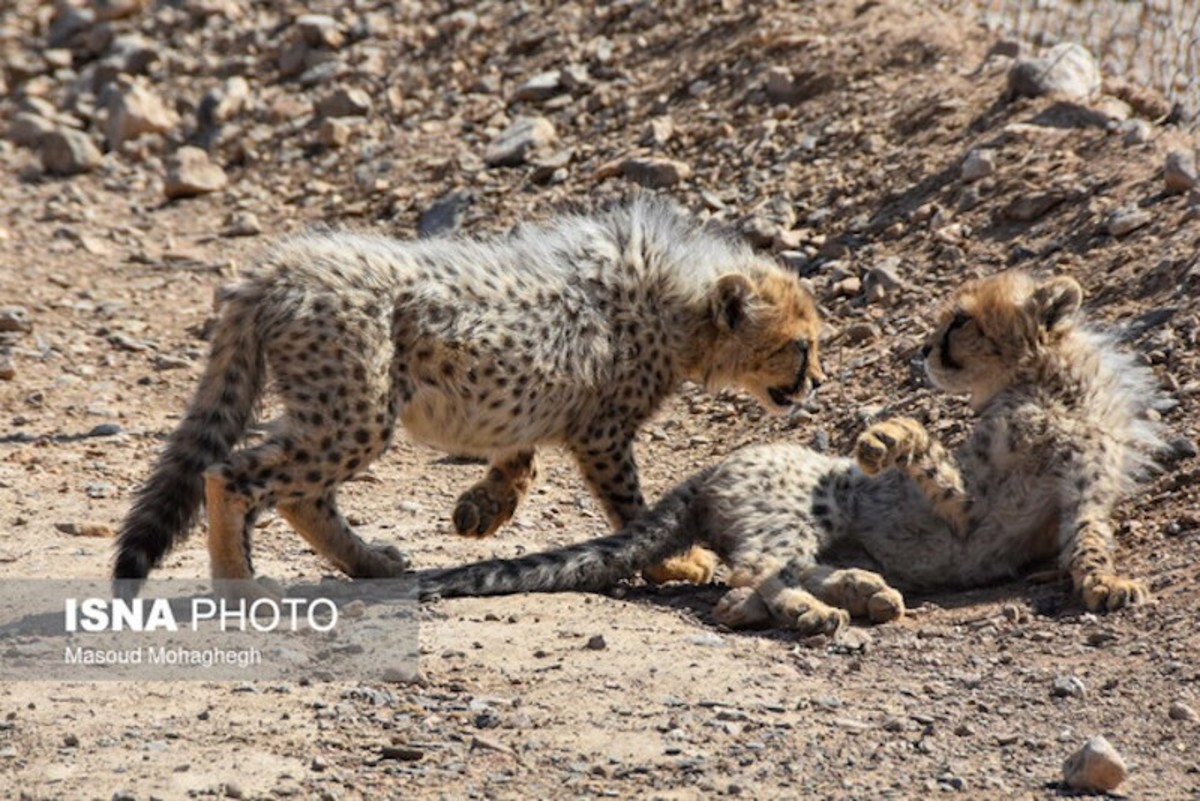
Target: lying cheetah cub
point(570, 334)
point(1062, 434)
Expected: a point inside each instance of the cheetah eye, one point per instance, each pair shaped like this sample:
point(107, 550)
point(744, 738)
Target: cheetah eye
point(960, 319)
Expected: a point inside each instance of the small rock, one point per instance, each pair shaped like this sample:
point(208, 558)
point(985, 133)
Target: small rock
point(222, 103)
point(108, 10)
point(354, 609)
point(333, 133)
point(1136, 132)
point(1097, 767)
point(1126, 220)
point(655, 173)
point(848, 287)
point(403, 753)
point(28, 129)
point(1029, 207)
point(86, 529)
point(542, 86)
point(759, 231)
point(7, 371)
point(783, 86)
point(1068, 687)
point(883, 279)
point(596, 643)
point(1179, 171)
point(190, 173)
point(1181, 711)
point(861, 334)
point(243, 223)
point(68, 152)
point(105, 430)
point(517, 142)
point(657, 132)
point(320, 30)
point(15, 318)
point(979, 163)
point(71, 741)
point(124, 795)
point(135, 111)
point(576, 78)
point(233, 790)
point(127, 54)
point(345, 103)
point(1067, 69)
point(446, 215)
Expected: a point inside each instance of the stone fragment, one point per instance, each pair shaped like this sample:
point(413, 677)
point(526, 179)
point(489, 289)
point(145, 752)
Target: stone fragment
point(1067, 69)
point(518, 141)
point(320, 30)
point(333, 133)
point(345, 103)
point(1126, 220)
point(1096, 767)
point(657, 132)
point(979, 163)
point(15, 318)
point(68, 152)
point(542, 86)
point(108, 10)
point(1181, 711)
point(655, 173)
point(27, 129)
point(136, 110)
point(1179, 171)
point(446, 215)
point(190, 173)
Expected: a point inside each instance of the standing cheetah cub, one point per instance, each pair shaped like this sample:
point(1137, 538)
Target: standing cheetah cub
point(1063, 432)
point(570, 334)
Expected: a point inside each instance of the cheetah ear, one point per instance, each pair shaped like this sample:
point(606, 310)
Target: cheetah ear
point(730, 301)
point(1056, 301)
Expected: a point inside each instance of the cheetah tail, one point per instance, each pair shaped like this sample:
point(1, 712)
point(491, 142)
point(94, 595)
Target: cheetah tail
point(220, 411)
point(665, 530)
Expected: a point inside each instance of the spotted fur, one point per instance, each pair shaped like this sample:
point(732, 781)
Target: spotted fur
point(572, 334)
point(1064, 431)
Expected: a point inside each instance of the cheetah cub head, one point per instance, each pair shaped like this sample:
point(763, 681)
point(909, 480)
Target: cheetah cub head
point(767, 332)
point(996, 328)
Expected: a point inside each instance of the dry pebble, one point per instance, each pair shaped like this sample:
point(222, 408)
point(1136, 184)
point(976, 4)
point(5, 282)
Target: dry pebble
point(190, 173)
point(519, 141)
point(68, 152)
point(1125, 221)
point(1068, 70)
point(1179, 171)
point(1096, 767)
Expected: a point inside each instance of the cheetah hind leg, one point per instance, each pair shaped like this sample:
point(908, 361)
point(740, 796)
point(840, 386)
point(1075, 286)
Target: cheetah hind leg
point(696, 566)
point(860, 592)
point(795, 607)
point(230, 520)
point(320, 523)
point(492, 502)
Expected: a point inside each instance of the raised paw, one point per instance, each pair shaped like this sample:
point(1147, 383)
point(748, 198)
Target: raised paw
point(696, 566)
point(484, 508)
point(380, 560)
point(1106, 592)
point(820, 619)
point(893, 442)
point(742, 608)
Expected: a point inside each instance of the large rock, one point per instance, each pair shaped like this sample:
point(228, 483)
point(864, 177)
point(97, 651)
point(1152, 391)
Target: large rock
point(518, 141)
point(1097, 767)
point(1067, 70)
point(68, 152)
point(190, 173)
point(137, 110)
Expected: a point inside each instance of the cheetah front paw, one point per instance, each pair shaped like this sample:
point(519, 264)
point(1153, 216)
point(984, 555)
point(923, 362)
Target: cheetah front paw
point(741, 608)
point(1106, 592)
point(484, 508)
point(248, 591)
point(893, 442)
point(696, 566)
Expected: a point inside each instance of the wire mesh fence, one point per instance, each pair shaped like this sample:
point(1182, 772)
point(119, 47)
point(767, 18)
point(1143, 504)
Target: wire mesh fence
point(1152, 43)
